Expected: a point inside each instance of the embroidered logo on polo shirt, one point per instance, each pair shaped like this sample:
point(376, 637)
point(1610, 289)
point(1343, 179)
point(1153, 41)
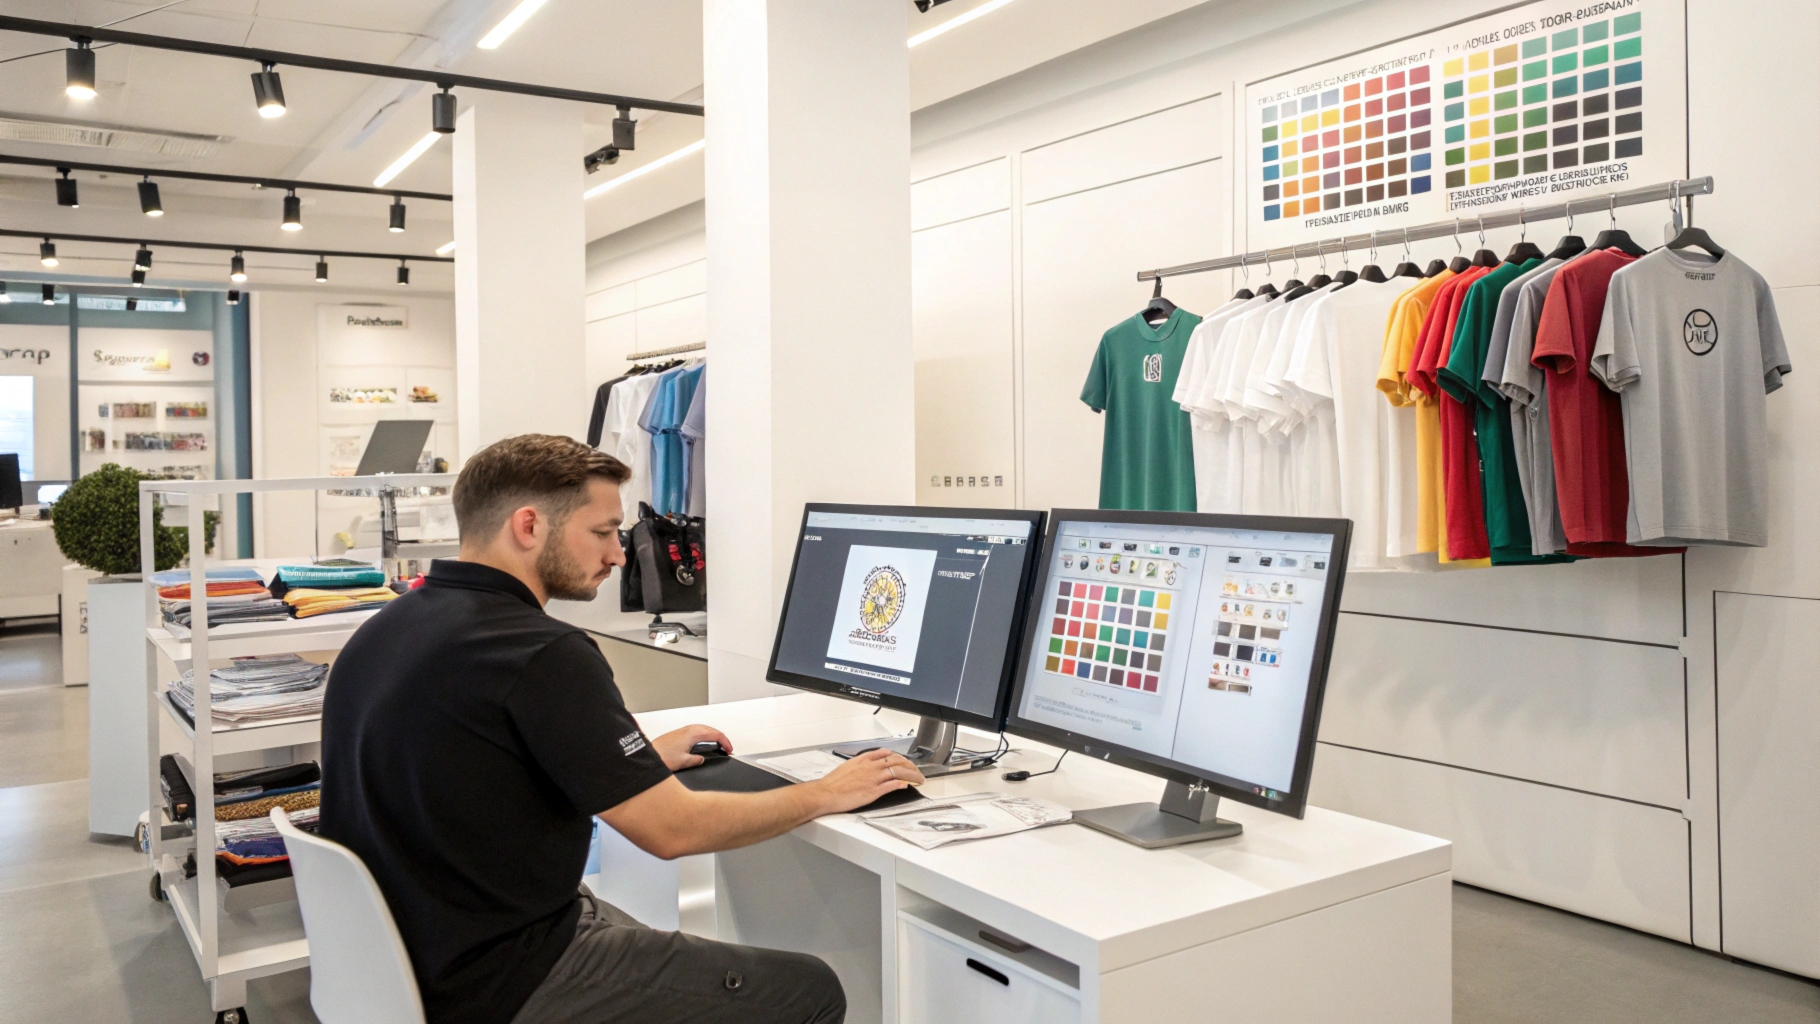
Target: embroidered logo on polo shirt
point(1700, 331)
point(1153, 368)
point(631, 743)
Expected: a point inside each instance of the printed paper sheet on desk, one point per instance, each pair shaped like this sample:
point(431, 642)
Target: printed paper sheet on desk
point(804, 765)
point(974, 816)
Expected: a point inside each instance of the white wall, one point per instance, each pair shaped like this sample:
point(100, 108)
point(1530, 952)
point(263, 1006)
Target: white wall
point(647, 288)
point(287, 401)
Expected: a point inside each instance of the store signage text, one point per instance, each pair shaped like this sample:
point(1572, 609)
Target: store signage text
point(36, 355)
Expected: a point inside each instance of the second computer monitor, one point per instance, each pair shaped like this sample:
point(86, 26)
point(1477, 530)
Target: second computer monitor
point(918, 609)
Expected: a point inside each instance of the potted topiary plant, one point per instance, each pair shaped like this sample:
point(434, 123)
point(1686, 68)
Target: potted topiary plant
point(97, 524)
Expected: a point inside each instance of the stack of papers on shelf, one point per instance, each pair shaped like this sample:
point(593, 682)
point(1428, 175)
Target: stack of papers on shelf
point(975, 816)
point(261, 689)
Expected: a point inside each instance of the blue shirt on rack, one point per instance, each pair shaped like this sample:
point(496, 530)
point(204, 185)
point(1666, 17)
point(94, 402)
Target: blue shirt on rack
point(663, 419)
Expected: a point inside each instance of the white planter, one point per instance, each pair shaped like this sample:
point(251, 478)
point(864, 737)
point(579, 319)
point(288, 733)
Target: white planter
point(117, 756)
point(75, 623)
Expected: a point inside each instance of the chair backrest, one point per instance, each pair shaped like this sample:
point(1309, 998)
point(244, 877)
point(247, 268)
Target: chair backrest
point(359, 971)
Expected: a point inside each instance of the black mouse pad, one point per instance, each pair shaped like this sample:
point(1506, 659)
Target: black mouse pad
point(731, 775)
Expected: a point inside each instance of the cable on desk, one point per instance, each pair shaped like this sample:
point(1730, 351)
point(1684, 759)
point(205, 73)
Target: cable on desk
point(1021, 776)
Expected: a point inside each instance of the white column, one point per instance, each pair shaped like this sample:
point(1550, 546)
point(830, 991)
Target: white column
point(520, 242)
point(808, 205)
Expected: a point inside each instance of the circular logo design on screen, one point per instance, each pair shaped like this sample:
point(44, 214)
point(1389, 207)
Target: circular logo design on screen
point(881, 600)
point(1700, 331)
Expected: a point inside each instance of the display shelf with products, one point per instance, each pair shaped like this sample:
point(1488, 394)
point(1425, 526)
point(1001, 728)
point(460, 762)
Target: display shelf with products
point(236, 932)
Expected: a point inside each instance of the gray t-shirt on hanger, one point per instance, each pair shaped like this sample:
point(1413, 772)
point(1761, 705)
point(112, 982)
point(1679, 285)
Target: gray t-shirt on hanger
point(1526, 387)
point(1692, 345)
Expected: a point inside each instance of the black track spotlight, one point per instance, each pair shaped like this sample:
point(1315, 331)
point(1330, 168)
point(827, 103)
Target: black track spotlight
point(138, 279)
point(397, 223)
point(322, 269)
point(268, 92)
point(66, 189)
point(293, 212)
point(233, 298)
point(132, 304)
point(142, 260)
point(47, 253)
point(625, 131)
point(237, 268)
point(50, 295)
point(442, 112)
point(79, 71)
point(600, 158)
point(149, 202)
point(404, 273)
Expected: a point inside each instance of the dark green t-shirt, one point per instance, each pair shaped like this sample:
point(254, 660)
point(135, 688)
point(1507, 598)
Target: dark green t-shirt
point(1506, 516)
point(1147, 459)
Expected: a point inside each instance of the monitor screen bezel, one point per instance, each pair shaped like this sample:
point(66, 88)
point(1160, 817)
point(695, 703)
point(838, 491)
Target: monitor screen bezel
point(992, 723)
point(1294, 803)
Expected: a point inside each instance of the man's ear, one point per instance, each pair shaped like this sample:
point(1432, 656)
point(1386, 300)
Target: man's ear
point(524, 524)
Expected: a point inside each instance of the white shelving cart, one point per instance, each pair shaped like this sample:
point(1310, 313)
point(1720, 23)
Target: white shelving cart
point(254, 930)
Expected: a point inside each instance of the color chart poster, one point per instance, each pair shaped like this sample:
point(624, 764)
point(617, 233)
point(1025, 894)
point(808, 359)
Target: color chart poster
point(1524, 106)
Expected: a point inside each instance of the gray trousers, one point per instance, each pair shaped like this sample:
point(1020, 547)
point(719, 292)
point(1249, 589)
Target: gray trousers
point(617, 971)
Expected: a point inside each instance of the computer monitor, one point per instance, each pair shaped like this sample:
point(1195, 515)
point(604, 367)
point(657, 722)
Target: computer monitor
point(1191, 647)
point(12, 493)
point(916, 609)
point(395, 447)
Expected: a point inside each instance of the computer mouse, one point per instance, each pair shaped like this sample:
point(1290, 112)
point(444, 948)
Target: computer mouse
point(708, 748)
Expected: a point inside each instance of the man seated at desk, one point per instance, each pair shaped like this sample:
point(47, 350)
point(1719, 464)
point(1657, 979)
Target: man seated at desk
point(467, 738)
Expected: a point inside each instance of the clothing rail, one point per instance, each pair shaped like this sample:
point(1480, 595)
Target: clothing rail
point(1669, 191)
point(693, 346)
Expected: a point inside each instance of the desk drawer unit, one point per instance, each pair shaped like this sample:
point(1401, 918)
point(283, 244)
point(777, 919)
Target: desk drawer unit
point(944, 978)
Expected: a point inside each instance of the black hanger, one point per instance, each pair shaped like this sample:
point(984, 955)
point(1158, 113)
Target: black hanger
point(1616, 237)
point(1346, 277)
point(1434, 267)
point(1691, 236)
point(1370, 271)
point(1523, 252)
point(1267, 289)
point(1244, 291)
point(1159, 309)
point(1568, 247)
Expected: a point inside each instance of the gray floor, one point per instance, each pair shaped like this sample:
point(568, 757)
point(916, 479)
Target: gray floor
point(80, 939)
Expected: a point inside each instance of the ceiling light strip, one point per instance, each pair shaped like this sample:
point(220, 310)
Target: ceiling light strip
point(410, 156)
point(957, 21)
point(639, 172)
point(509, 24)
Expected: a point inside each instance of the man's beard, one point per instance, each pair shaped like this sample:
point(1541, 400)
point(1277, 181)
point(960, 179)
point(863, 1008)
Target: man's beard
point(562, 577)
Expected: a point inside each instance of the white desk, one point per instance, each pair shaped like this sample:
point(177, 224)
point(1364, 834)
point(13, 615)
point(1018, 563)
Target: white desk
point(31, 568)
point(1328, 918)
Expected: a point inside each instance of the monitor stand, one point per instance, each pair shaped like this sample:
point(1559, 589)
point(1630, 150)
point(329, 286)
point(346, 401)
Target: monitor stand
point(932, 749)
point(1186, 814)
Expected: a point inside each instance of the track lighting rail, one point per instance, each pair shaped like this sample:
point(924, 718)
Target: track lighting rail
point(143, 241)
point(447, 80)
point(233, 179)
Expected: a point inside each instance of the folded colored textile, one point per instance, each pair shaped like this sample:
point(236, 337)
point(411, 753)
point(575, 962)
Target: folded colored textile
point(214, 589)
point(265, 781)
point(240, 810)
point(306, 602)
point(228, 833)
point(331, 576)
point(174, 577)
point(257, 689)
point(233, 610)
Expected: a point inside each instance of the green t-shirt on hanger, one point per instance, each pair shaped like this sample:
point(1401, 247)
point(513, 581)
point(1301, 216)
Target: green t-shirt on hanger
point(1147, 459)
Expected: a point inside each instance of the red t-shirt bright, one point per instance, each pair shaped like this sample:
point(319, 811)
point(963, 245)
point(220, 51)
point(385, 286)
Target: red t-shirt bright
point(1466, 537)
point(1586, 419)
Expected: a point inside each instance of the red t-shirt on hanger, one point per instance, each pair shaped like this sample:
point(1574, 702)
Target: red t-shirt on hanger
point(1592, 482)
point(1460, 487)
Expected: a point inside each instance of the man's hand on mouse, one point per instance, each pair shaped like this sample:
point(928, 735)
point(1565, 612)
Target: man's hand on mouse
point(674, 746)
point(864, 778)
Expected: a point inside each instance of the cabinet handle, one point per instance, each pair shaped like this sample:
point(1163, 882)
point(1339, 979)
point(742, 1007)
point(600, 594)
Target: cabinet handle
point(997, 976)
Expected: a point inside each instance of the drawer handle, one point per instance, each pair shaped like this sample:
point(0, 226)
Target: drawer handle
point(998, 976)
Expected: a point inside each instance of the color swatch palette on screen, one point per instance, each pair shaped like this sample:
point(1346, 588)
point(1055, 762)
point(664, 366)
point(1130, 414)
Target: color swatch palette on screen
point(1561, 100)
point(1109, 634)
point(1363, 142)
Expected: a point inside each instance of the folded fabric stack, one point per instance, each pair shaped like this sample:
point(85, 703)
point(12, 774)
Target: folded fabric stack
point(239, 795)
point(251, 850)
point(257, 689)
point(324, 588)
point(234, 595)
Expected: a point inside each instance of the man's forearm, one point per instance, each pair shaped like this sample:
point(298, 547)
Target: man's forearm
point(692, 822)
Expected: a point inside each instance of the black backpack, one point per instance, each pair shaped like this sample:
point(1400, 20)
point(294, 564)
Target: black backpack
point(666, 564)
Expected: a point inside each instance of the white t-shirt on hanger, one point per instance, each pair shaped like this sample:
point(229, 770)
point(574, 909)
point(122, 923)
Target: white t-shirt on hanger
point(627, 441)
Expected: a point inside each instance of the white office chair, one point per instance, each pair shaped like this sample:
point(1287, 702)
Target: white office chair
point(359, 971)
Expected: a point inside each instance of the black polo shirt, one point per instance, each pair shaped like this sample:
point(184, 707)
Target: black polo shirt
point(467, 738)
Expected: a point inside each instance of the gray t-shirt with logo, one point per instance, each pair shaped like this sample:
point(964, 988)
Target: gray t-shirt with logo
point(1692, 345)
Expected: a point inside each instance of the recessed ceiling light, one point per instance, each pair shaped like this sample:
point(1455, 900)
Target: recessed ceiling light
point(509, 24)
point(445, 248)
point(639, 172)
point(410, 156)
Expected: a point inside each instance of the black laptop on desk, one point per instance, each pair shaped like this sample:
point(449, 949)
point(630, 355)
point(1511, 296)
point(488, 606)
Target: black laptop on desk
point(911, 608)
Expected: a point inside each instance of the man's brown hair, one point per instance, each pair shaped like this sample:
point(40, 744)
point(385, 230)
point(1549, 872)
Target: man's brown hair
point(545, 470)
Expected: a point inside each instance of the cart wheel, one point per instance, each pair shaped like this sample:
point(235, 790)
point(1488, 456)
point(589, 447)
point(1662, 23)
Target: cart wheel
point(157, 888)
point(235, 1016)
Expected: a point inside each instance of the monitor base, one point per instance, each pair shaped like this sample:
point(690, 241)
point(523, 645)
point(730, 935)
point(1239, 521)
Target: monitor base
point(1185, 815)
point(932, 749)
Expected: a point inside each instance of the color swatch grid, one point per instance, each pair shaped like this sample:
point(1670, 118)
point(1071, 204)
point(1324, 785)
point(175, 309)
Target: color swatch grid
point(1566, 99)
point(1108, 634)
point(1360, 143)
